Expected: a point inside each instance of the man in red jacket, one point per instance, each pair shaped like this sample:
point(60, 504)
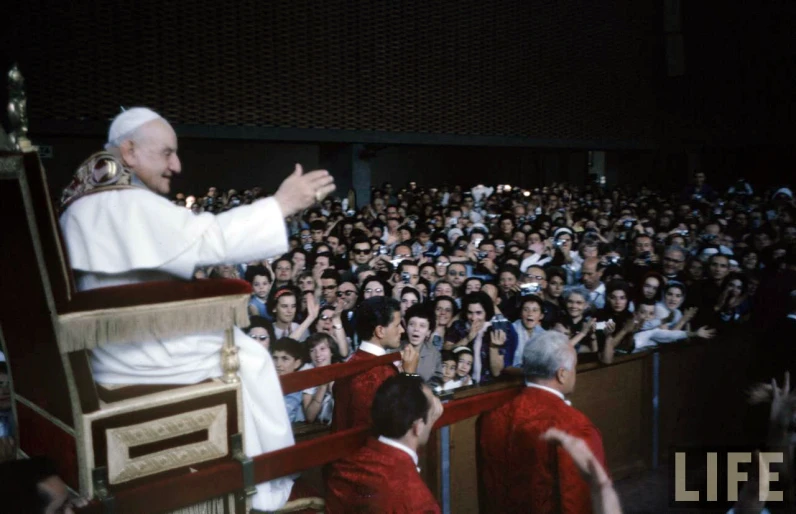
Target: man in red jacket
point(383, 475)
point(379, 327)
point(521, 472)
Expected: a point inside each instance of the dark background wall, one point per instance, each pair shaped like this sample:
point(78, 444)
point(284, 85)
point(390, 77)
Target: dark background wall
point(513, 90)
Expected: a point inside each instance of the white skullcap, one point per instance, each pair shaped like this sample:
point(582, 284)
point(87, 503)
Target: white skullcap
point(127, 122)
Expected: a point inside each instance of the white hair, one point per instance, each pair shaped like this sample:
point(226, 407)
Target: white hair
point(580, 291)
point(545, 354)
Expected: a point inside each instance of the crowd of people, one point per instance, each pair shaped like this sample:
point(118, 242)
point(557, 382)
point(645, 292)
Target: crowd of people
point(480, 273)
point(466, 284)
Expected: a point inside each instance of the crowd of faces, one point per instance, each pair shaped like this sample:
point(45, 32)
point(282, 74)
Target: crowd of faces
point(590, 258)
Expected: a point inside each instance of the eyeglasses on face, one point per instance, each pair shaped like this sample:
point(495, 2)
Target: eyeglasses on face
point(377, 290)
point(325, 317)
point(329, 288)
point(361, 251)
point(444, 264)
point(261, 338)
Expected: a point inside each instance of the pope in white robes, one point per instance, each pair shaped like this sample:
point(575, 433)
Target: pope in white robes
point(134, 234)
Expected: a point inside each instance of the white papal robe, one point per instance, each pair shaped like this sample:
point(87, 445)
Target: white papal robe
point(133, 235)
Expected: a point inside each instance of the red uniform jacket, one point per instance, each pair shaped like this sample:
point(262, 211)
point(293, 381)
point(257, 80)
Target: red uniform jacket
point(353, 395)
point(522, 473)
point(378, 478)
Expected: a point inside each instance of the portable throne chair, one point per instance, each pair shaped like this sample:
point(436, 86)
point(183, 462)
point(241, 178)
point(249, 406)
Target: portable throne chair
point(105, 439)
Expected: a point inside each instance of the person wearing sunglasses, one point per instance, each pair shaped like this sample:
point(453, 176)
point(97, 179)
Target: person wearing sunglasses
point(330, 278)
point(348, 297)
point(361, 253)
point(261, 330)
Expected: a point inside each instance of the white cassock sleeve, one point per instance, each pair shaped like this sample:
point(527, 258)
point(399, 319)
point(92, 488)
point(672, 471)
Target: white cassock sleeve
point(115, 232)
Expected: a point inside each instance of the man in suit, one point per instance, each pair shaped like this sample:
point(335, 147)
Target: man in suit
point(521, 473)
point(383, 475)
point(379, 328)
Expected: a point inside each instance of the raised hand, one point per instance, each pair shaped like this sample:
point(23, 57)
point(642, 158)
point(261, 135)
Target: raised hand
point(782, 404)
point(603, 495)
point(337, 316)
point(497, 338)
point(312, 307)
point(436, 411)
point(588, 326)
point(706, 332)
point(301, 190)
point(581, 455)
point(410, 358)
point(475, 328)
point(631, 326)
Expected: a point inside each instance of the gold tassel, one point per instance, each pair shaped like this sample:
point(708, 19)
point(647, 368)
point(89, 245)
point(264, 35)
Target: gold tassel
point(91, 329)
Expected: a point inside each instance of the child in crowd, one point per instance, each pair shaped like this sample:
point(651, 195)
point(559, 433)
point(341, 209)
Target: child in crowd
point(260, 278)
point(464, 365)
point(419, 327)
point(318, 401)
point(646, 338)
point(448, 379)
point(288, 355)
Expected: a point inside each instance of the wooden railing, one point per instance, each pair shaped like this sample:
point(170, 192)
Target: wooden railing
point(643, 404)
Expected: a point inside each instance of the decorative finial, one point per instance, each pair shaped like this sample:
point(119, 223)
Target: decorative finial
point(18, 111)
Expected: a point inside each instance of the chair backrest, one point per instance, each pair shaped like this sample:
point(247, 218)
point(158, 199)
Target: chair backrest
point(38, 375)
point(56, 260)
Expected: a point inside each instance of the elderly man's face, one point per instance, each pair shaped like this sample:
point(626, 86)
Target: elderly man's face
point(153, 155)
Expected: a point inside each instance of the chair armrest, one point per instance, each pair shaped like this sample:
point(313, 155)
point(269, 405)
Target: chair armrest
point(148, 293)
point(150, 311)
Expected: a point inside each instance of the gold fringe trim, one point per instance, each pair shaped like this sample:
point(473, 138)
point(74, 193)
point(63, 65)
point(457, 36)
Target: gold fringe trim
point(215, 506)
point(92, 329)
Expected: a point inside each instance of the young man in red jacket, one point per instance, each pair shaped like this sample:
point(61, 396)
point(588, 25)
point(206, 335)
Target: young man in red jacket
point(379, 328)
point(383, 475)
